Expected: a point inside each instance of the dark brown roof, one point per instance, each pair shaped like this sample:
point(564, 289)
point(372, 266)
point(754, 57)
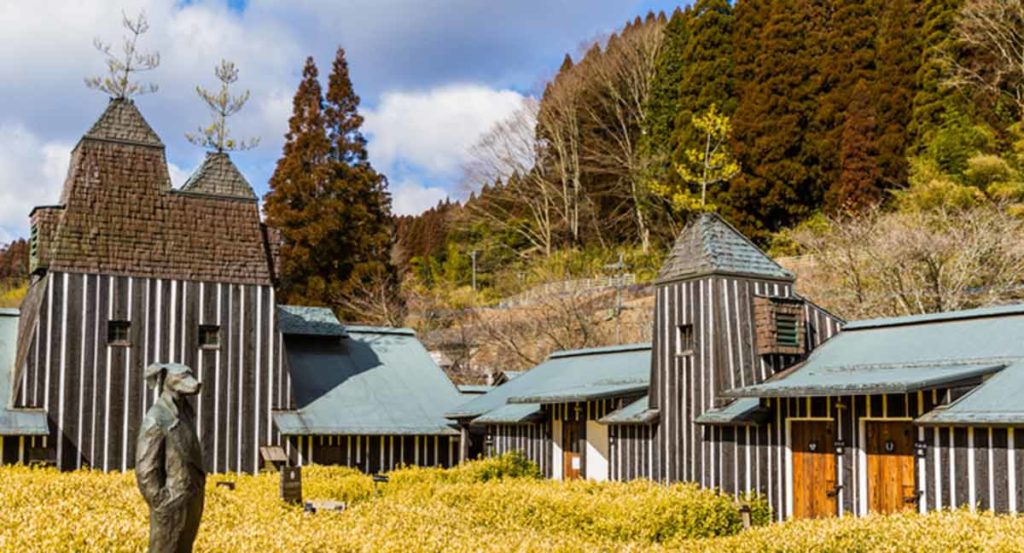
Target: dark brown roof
point(122, 217)
point(709, 245)
point(218, 176)
point(122, 122)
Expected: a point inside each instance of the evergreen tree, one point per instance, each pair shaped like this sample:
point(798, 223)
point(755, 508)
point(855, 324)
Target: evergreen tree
point(859, 182)
point(706, 77)
point(332, 208)
point(848, 59)
point(664, 105)
point(300, 203)
point(367, 216)
point(932, 99)
point(899, 59)
point(780, 183)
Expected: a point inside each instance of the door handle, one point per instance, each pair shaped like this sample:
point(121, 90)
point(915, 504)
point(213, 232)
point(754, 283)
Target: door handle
point(834, 491)
point(914, 497)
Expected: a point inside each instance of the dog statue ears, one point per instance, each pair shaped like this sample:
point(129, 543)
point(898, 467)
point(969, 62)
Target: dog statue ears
point(156, 373)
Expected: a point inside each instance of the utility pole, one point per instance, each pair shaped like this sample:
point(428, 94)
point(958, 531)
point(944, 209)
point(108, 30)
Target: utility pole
point(619, 269)
point(472, 254)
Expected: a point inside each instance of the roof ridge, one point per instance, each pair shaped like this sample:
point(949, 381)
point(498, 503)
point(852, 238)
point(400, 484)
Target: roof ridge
point(618, 348)
point(940, 317)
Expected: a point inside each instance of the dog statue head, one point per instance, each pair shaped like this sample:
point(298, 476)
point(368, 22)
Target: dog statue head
point(175, 378)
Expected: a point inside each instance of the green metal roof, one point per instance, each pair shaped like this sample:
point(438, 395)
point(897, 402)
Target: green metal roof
point(374, 381)
point(612, 387)
point(997, 401)
point(15, 422)
point(710, 245)
point(866, 380)
point(575, 374)
point(743, 411)
point(513, 413)
point(308, 321)
point(637, 412)
point(904, 354)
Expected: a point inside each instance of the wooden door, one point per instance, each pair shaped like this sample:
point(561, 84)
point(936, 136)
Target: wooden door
point(890, 472)
point(572, 437)
point(814, 469)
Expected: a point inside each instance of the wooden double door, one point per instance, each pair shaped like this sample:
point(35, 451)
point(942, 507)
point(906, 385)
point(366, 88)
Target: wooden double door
point(889, 471)
point(572, 447)
point(889, 448)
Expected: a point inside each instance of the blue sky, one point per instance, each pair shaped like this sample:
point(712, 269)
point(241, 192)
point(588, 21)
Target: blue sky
point(432, 74)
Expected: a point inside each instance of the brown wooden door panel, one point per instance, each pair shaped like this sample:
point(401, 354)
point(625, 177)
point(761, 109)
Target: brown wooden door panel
point(889, 448)
point(572, 436)
point(814, 469)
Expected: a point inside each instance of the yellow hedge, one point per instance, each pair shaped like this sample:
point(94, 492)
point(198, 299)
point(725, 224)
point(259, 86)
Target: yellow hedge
point(493, 505)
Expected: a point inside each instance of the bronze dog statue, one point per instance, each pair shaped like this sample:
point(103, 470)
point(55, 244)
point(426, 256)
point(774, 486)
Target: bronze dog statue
point(169, 460)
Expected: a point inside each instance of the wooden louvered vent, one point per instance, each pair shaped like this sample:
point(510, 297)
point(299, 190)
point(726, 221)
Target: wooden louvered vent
point(780, 325)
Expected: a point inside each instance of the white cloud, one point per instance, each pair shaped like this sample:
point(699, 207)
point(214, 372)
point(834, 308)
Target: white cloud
point(404, 55)
point(433, 130)
point(412, 198)
point(31, 173)
point(46, 50)
point(178, 175)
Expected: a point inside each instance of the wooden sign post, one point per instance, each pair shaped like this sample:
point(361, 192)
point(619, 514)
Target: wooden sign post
point(291, 485)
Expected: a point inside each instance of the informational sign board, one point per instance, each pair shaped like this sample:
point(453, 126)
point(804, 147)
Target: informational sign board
point(291, 485)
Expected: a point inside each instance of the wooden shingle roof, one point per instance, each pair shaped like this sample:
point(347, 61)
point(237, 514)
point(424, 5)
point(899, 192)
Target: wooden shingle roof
point(121, 216)
point(218, 176)
point(122, 122)
point(710, 245)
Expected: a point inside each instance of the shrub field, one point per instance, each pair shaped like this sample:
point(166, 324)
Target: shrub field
point(492, 505)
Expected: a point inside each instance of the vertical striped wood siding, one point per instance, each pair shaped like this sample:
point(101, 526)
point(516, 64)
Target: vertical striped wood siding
point(535, 440)
point(632, 454)
point(374, 454)
point(95, 395)
point(532, 439)
point(962, 467)
point(721, 310)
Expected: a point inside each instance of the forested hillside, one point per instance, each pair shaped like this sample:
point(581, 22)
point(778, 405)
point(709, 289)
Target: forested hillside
point(832, 105)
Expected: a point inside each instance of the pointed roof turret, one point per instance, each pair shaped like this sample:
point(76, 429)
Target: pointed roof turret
point(218, 176)
point(710, 245)
point(122, 122)
point(119, 214)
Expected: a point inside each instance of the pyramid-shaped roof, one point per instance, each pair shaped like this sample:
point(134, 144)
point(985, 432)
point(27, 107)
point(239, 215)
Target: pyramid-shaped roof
point(122, 122)
point(710, 245)
point(119, 214)
point(218, 176)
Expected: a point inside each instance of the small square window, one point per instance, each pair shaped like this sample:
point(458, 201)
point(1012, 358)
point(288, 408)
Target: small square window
point(209, 336)
point(684, 339)
point(118, 333)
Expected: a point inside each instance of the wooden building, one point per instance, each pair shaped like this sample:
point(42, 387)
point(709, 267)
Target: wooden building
point(366, 397)
point(20, 429)
point(127, 271)
point(912, 413)
point(553, 412)
point(726, 317)
point(753, 388)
